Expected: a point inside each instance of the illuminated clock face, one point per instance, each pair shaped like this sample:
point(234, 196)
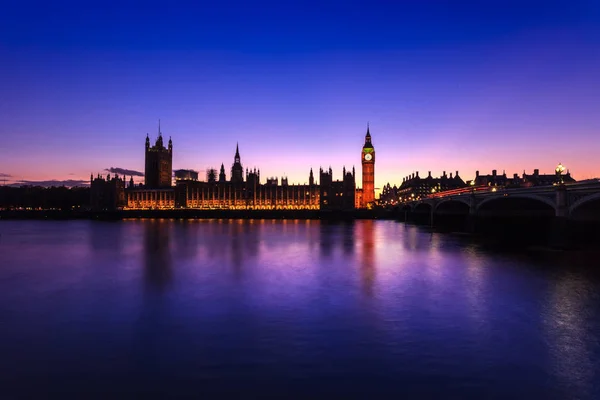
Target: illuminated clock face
point(368, 157)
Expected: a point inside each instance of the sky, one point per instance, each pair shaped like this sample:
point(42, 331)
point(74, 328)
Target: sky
point(445, 86)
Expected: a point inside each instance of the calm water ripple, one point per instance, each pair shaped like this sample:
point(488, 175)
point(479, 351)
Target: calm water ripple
point(371, 309)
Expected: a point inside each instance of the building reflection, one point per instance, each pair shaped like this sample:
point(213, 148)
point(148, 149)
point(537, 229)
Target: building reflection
point(366, 234)
point(157, 254)
point(185, 238)
point(326, 234)
point(244, 240)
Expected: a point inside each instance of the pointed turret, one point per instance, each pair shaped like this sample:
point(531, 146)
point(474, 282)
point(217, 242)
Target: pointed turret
point(147, 141)
point(170, 144)
point(311, 178)
point(222, 177)
point(368, 143)
point(237, 153)
point(237, 171)
point(159, 139)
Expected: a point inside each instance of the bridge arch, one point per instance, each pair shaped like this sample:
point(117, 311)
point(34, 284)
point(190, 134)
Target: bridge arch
point(583, 201)
point(406, 207)
point(547, 201)
point(423, 206)
point(461, 200)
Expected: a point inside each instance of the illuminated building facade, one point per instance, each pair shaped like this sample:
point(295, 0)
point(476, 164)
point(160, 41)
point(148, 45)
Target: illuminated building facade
point(141, 198)
point(414, 187)
point(368, 172)
point(243, 191)
point(358, 198)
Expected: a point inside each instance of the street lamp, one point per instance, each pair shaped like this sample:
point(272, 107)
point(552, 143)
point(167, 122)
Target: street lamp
point(559, 171)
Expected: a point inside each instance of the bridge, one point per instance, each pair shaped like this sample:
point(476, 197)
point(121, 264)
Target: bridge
point(574, 200)
point(564, 210)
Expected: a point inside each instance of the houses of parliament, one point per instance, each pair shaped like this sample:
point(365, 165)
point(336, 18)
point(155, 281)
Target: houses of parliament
point(242, 190)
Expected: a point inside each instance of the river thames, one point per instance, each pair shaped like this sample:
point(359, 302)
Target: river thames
point(290, 309)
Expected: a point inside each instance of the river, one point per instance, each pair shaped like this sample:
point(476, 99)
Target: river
point(290, 309)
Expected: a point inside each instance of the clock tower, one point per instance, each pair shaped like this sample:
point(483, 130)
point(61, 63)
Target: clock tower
point(368, 171)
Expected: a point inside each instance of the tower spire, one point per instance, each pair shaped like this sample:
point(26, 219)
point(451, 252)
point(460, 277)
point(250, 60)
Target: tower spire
point(237, 153)
point(159, 132)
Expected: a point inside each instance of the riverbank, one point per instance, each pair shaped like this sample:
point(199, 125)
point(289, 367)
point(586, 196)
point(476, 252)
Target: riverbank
point(193, 214)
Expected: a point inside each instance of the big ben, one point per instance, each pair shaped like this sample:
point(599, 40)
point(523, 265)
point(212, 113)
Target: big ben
point(368, 171)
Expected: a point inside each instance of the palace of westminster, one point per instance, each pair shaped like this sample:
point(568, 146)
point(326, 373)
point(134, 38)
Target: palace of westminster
point(242, 191)
point(245, 191)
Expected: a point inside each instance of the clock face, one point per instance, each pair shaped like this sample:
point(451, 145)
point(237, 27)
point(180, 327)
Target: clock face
point(368, 157)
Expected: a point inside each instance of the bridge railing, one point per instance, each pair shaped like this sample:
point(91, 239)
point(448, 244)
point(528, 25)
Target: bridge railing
point(466, 190)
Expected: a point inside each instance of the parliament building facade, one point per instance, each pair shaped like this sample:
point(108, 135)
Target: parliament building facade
point(242, 191)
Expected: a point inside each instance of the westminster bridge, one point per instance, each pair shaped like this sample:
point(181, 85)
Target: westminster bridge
point(565, 210)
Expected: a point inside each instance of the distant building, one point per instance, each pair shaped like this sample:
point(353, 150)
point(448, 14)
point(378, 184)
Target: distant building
point(246, 191)
point(107, 193)
point(337, 195)
point(495, 180)
point(526, 180)
point(415, 187)
point(241, 191)
point(537, 179)
point(186, 174)
point(159, 163)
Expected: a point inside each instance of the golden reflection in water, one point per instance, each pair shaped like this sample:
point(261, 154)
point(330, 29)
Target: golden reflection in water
point(435, 269)
point(475, 288)
point(236, 238)
point(366, 234)
point(568, 335)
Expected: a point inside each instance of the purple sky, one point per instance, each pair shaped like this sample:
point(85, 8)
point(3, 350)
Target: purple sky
point(507, 85)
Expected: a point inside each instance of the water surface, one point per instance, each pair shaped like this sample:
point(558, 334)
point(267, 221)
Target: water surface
point(371, 309)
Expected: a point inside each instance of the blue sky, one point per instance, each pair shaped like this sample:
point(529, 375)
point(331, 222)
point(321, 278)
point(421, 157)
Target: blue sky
point(445, 85)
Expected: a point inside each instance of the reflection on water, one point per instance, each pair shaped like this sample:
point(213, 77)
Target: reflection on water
point(157, 254)
point(367, 265)
point(569, 320)
point(220, 307)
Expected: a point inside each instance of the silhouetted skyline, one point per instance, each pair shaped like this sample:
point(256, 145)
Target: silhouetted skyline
point(445, 86)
